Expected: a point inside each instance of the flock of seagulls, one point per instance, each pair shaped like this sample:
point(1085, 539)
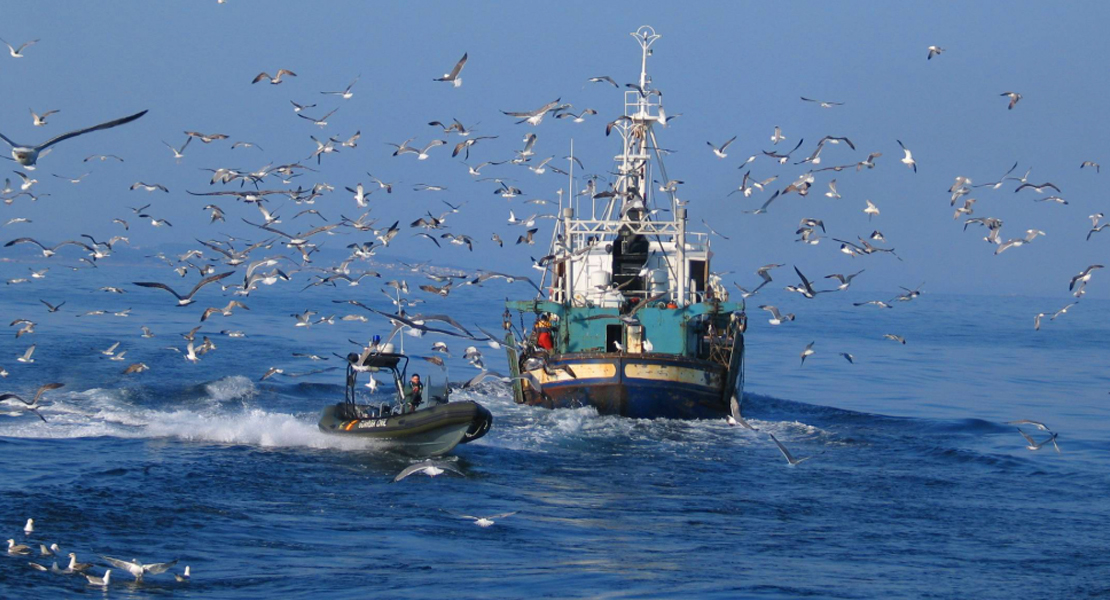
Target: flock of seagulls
point(287, 183)
point(53, 552)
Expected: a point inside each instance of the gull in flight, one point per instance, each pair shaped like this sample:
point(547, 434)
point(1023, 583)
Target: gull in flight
point(40, 120)
point(18, 52)
point(346, 94)
point(720, 151)
point(187, 299)
point(776, 317)
point(786, 453)
point(431, 468)
point(275, 79)
point(453, 76)
point(897, 338)
point(777, 136)
point(871, 210)
point(934, 51)
point(807, 352)
point(908, 159)
point(1083, 277)
point(823, 103)
point(9, 399)
point(1036, 424)
point(26, 358)
point(138, 569)
point(421, 153)
point(734, 418)
point(29, 155)
point(1034, 445)
point(1014, 97)
point(487, 521)
point(179, 153)
point(845, 280)
point(534, 117)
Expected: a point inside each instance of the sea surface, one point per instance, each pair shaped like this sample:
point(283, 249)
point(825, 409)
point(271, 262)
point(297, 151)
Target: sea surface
point(917, 487)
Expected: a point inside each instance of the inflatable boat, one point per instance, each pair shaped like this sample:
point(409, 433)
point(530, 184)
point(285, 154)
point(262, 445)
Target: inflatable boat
point(433, 428)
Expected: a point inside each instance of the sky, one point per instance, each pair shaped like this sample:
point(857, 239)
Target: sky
point(730, 69)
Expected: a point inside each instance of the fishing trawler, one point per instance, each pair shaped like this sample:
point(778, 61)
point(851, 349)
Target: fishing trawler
point(634, 322)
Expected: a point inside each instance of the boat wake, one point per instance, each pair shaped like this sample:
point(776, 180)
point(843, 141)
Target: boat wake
point(224, 411)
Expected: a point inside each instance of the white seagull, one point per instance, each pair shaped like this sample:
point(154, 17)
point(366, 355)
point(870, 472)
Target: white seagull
point(29, 155)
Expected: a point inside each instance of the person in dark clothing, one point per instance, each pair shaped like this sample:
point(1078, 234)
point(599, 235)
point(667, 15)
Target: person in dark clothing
point(414, 394)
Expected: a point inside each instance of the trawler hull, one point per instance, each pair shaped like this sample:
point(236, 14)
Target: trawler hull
point(630, 385)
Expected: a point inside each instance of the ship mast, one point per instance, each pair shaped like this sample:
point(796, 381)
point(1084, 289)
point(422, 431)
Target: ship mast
point(630, 201)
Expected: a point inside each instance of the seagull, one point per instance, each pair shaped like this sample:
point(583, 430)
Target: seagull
point(604, 79)
point(824, 104)
point(135, 368)
point(934, 51)
point(29, 155)
point(299, 107)
point(720, 151)
point(1034, 445)
point(150, 187)
point(1037, 188)
point(321, 122)
point(453, 76)
point(776, 317)
point(138, 569)
point(100, 581)
point(832, 193)
point(187, 299)
point(734, 417)
point(1088, 163)
point(807, 352)
point(18, 52)
point(26, 358)
point(431, 468)
point(275, 79)
point(763, 209)
point(51, 551)
point(897, 338)
point(1014, 97)
point(421, 153)
point(29, 528)
point(908, 159)
point(1030, 235)
point(871, 210)
point(346, 94)
point(184, 577)
point(32, 406)
point(1062, 311)
point(14, 548)
point(1083, 277)
point(76, 567)
point(777, 136)
point(806, 288)
point(225, 311)
point(487, 521)
point(786, 453)
point(848, 357)
point(40, 120)
point(178, 153)
point(845, 280)
point(534, 117)
point(1036, 424)
point(271, 372)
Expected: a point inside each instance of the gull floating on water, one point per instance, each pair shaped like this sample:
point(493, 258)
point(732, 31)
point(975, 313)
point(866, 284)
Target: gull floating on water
point(100, 581)
point(14, 548)
point(29, 528)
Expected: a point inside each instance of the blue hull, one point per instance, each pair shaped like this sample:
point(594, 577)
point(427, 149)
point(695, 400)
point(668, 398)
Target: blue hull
point(638, 386)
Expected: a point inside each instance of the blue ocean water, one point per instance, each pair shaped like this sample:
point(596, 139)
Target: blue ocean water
point(917, 487)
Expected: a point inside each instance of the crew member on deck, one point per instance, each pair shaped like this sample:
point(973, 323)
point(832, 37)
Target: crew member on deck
point(414, 394)
point(544, 339)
